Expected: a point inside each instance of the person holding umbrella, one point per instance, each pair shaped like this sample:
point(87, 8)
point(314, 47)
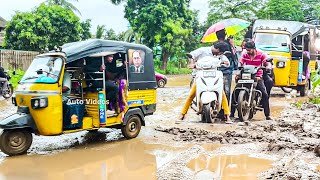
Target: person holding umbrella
point(218, 32)
point(227, 71)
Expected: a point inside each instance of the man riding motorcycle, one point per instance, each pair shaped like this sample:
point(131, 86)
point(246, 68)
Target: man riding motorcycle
point(255, 57)
point(3, 78)
point(216, 50)
point(268, 75)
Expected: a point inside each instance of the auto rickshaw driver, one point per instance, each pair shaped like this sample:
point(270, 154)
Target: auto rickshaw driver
point(216, 50)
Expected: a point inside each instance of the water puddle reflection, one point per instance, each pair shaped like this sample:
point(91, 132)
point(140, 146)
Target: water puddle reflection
point(131, 159)
point(229, 167)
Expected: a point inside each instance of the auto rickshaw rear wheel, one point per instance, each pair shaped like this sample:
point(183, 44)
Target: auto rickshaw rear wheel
point(304, 89)
point(132, 127)
point(15, 142)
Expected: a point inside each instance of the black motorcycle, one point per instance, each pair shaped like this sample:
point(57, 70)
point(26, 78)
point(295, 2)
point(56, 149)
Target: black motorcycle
point(249, 98)
point(9, 90)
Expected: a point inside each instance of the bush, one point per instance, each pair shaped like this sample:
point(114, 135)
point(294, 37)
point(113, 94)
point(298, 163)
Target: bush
point(173, 67)
point(315, 100)
point(15, 78)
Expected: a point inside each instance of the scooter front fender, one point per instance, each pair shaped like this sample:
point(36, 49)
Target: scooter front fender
point(208, 97)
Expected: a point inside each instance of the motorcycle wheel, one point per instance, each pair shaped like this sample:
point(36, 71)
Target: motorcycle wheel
point(8, 93)
point(207, 109)
point(243, 110)
point(252, 111)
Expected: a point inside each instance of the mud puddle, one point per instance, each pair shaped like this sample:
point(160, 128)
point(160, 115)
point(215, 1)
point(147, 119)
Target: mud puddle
point(178, 80)
point(118, 160)
point(6, 107)
point(228, 167)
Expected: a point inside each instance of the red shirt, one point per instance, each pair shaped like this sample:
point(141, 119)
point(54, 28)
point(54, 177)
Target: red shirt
point(258, 60)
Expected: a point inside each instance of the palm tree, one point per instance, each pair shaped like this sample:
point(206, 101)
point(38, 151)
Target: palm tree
point(65, 4)
point(100, 31)
point(131, 36)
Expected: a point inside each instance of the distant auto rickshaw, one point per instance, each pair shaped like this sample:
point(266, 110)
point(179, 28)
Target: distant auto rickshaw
point(287, 42)
point(45, 109)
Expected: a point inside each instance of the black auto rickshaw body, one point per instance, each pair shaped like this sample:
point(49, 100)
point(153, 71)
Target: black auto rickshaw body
point(286, 42)
point(44, 109)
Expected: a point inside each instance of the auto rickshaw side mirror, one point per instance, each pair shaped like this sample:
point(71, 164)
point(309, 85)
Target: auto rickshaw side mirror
point(13, 72)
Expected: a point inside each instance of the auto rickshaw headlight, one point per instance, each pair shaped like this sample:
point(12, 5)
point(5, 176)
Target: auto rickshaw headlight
point(281, 64)
point(40, 102)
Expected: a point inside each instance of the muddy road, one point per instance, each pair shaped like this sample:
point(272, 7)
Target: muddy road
point(283, 148)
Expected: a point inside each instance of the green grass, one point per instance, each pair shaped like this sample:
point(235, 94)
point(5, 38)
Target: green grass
point(298, 104)
point(315, 100)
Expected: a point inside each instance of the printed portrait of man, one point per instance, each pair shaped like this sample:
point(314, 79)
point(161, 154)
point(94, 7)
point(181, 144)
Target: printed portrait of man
point(137, 62)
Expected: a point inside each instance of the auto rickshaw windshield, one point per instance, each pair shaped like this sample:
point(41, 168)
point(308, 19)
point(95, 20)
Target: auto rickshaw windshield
point(43, 70)
point(272, 42)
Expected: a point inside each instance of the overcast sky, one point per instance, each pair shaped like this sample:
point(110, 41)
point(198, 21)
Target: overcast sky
point(99, 11)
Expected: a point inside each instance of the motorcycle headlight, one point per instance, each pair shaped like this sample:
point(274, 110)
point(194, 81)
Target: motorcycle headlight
point(39, 102)
point(246, 76)
point(281, 64)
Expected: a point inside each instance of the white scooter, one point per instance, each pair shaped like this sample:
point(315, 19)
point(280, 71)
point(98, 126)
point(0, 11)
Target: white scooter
point(209, 87)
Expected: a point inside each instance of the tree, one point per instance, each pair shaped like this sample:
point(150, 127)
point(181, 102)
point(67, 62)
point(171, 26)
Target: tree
point(161, 22)
point(223, 9)
point(111, 35)
point(100, 31)
point(86, 25)
point(65, 4)
point(283, 10)
point(198, 30)
point(45, 27)
point(131, 36)
point(311, 10)
point(117, 2)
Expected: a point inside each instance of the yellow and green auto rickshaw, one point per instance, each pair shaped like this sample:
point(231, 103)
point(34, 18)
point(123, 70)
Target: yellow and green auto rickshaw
point(48, 107)
point(285, 42)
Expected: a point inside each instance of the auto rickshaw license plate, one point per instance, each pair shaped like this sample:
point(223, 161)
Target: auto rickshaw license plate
point(246, 81)
point(209, 74)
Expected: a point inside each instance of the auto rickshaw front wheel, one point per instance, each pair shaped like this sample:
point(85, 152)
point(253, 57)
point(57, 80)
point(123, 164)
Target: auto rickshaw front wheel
point(132, 127)
point(15, 142)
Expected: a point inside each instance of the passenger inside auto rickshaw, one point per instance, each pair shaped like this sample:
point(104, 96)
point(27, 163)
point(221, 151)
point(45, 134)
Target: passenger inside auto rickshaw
point(115, 78)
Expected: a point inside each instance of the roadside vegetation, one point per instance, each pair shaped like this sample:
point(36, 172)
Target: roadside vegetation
point(15, 78)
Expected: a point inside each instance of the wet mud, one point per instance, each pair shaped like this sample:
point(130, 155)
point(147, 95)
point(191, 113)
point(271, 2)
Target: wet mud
point(285, 148)
point(228, 166)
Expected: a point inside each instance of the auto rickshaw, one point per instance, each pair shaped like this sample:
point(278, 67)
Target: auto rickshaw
point(285, 42)
point(45, 109)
